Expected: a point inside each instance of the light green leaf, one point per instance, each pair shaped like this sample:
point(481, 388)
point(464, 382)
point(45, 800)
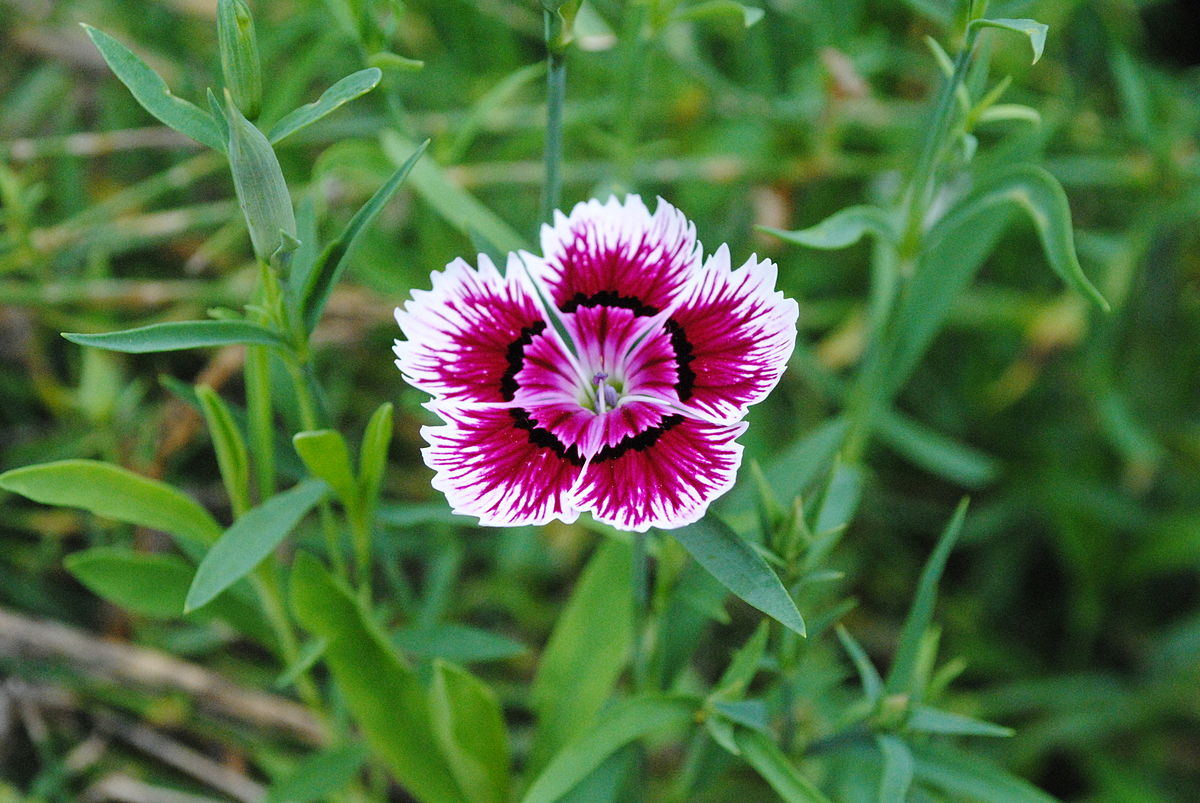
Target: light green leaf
point(373, 454)
point(229, 445)
point(1035, 30)
point(902, 677)
point(152, 93)
point(457, 643)
point(624, 723)
point(114, 493)
point(179, 335)
point(841, 229)
point(319, 776)
point(459, 208)
point(744, 666)
point(380, 690)
point(718, 8)
point(251, 539)
point(325, 455)
point(144, 583)
point(1033, 190)
point(585, 653)
point(747, 713)
point(927, 719)
point(334, 259)
point(971, 777)
point(469, 726)
point(156, 585)
point(342, 92)
point(768, 760)
point(740, 568)
point(872, 683)
point(897, 768)
point(1006, 112)
point(310, 653)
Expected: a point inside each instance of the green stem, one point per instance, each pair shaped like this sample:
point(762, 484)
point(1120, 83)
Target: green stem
point(640, 585)
point(266, 583)
point(556, 95)
point(259, 419)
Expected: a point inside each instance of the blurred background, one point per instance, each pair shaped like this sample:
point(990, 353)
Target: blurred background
point(1073, 600)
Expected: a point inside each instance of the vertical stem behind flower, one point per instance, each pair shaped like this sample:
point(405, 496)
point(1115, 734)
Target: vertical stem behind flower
point(556, 94)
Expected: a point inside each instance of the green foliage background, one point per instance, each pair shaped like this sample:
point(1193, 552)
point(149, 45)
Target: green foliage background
point(1073, 598)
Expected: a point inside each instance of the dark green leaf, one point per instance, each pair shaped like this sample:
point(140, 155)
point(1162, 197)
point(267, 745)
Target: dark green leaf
point(319, 776)
point(872, 683)
point(841, 229)
point(179, 335)
point(740, 568)
point(457, 643)
point(333, 260)
point(971, 777)
point(625, 722)
point(902, 677)
point(342, 92)
point(926, 719)
point(897, 768)
point(768, 760)
point(935, 452)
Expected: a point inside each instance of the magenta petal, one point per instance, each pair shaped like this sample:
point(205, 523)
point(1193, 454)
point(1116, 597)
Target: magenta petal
point(734, 334)
point(666, 477)
point(493, 463)
point(465, 337)
point(618, 254)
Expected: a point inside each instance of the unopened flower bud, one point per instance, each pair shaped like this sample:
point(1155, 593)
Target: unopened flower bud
point(258, 180)
point(239, 55)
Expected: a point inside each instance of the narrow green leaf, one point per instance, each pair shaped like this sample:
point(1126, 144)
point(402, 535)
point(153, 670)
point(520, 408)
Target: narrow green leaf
point(114, 493)
point(586, 653)
point(156, 585)
point(373, 454)
point(458, 643)
point(153, 94)
point(971, 777)
point(872, 683)
point(319, 776)
point(457, 206)
point(1033, 190)
point(624, 723)
point(144, 583)
point(901, 677)
point(935, 452)
point(179, 335)
point(897, 768)
point(744, 666)
point(251, 539)
point(927, 719)
point(1033, 29)
point(333, 260)
point(740, 568)
point(325, 455)
point(230, 446)
point(336, 96)
point(841, 229)
point(768, 760)
point(380, 690)
point(747, 713)
point(806, 461)
point(469, 726)
point(841, 499)
point(310, 653)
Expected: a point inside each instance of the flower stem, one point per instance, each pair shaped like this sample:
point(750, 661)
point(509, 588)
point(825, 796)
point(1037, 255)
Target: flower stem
point(556, 95)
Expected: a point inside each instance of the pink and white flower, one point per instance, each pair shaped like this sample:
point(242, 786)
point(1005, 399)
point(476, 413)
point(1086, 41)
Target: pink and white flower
point(609, 375)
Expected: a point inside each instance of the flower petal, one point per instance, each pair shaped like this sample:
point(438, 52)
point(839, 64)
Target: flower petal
point(732, 334)
point(495, 463)
point(466, 336)
point(664, 477)
point(589, 432)
point(618, 254)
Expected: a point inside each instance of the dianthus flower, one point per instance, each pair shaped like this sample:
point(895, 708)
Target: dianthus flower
point(609, 375)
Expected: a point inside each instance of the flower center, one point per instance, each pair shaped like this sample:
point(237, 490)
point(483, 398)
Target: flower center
point(607, 395)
